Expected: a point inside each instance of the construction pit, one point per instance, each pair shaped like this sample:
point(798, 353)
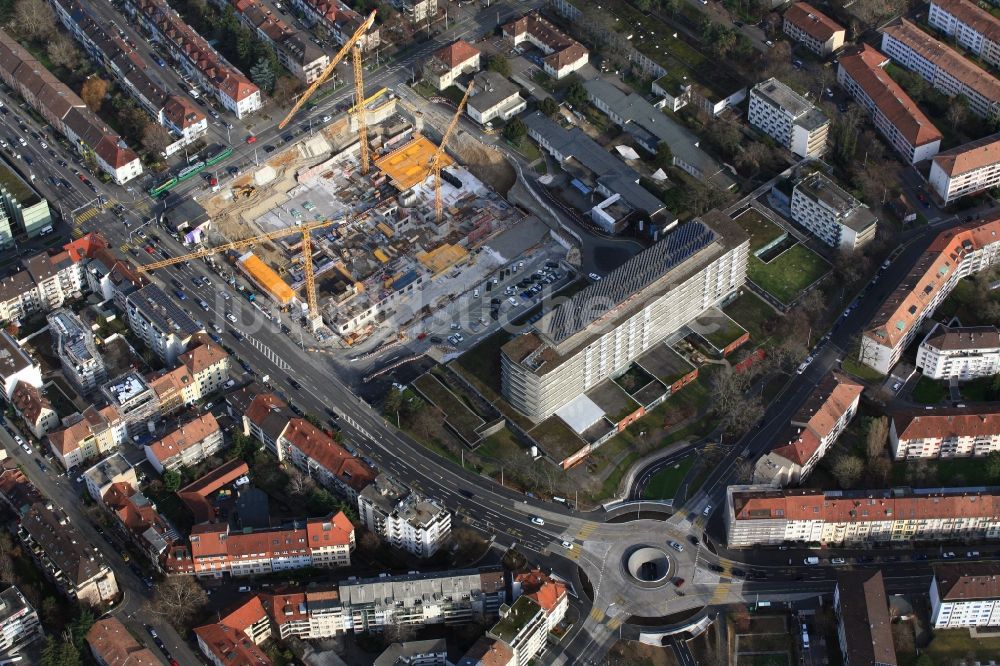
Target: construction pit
point(385, 262)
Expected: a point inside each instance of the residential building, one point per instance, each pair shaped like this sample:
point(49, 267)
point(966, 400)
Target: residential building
point(208, 365)
point(968, 169)
point(450, 597)
point(124, 62)
point(265, 419)
point(597, 170)
point(831, 214)
point(418, 11)
point(651, 128)
point(111, 644)
point(113, 469)
point(16, 366)
point(87, 436)
point(311, 614)
point(894, 114)
point(34, 409)
point(313, 452)
point(431, 652)
point(494, 98)
point(74, 345)
point(133, 400)
point(187, 445)
point(295, 51)
point(405, 520)
point(196, 495)
point(972, 27)
point(945, 432)
point(954, 254)
point(19, 625)
point(522, 628)
point(226, 646)
point(761, 515)
point(788, 118)
point(141, 522)
point(16, 490)
point(66, 557)
point(814, 29)
point(959, 352)
point(697, 265)
point(340, 21)
point(813, 430)
point(449, 63)
point(159, 322)
point(57, 277)
point(864, 628)
point(948, 71)
point(233, 90)
point(215, 549)
point(563, 54)
point(965, 595)
point(549, 594)
point(487, 651)
point(65, 112)
point(22, 210)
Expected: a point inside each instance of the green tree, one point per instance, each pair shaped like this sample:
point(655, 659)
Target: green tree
point(244, 447)
point(499, 64)
point(80, 626)
point(549, 107)
point(263, 75)
point(993, 466)
point(664, 156)
point(576, 94)
point(393, 401)
point(171, 480)
point(59, 653)
point(515, 131)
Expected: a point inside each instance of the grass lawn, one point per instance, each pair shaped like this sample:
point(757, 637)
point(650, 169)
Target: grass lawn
point(949, 471)
point(789, 273)
point(860, 370)
point(929, 392)
point(752, 313)
point(722, 337)
point(457, 413)
point(424, 90)
point(980, 390)
point(763, 642)
point(483, 360)
point(665, 483)
point(762, 231)
point(957, 644)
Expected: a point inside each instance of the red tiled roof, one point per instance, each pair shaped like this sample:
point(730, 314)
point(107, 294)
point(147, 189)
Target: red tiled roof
point(968, 581)
point(195, 494)
point(457, 53)
point(109, 151)
point(184, 437)
point(245, 615)
point(263, 405)
point(970, 156)
point(182, 113)
point(816, 418)
point(114, 645)
point(976, 421)
point(322, 533)
point(231, 647)
point(202, 357)
point(973, 16)
point(813, 22)
point(29, 401)
point(865, 67)
point(315, 444)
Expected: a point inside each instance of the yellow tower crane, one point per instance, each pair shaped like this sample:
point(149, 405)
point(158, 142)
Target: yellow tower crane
point(352, 46)
point(438, 158)
point(304, 229)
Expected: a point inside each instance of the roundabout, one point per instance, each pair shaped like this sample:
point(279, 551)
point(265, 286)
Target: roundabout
point(648, 566)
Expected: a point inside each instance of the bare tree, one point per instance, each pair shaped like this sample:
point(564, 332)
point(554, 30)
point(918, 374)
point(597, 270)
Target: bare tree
point(299, 484)
point(155, 138)
point(878, 433)
point(397, 633)
point(62, 51)
point(7, 573)
point(848, 470)
point(33, 19)
point(178, 600)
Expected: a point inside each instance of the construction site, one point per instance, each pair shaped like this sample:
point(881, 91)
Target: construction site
point(361, 222)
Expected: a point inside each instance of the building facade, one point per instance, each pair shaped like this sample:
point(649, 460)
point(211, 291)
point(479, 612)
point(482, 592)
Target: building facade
point(965, 595)
point(314, 453)
point(814, 29)
point(522, 628)
point(968, 169)
point(954, 254)
point(405, 520)
point(74, 344)
point(87, 436)
point(960, 353)
point(972, 27)
point(894, 114)
point(945, 432)
point(113, 469)
point(133, 401)
point(16, 366)
point(943, 67)
point(159, 322)
point(187, 445)
point(19, 625)
point(22, 210)
point(563, 54)
point(451, 62)
point(763, 516)
point(831, 214)
point(574, 347)
point(788, 118)
point(494, 98)
point(34, 409)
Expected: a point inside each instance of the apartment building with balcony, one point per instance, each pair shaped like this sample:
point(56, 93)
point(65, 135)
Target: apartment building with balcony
point(944, 68)
point(419, 12)
point(208, 365)
point(16, 366)
point(175, 112)
point(812, 431)
point(959, 352)
point(188, 444)
point(788, 118)
point(895, 115)
point(563, 54)
point(132, 399)
point(575, 345)
point(159, 322)
point(22, 209)
point(404, 519)
point(101, 476)
point(965, 595)
point(762, 516)
point(968, 169)
point(66, 557)
point(831, 214)
point(972, 27)
point(448, 63)
point(340, 21)
point(494, 98)
point(944, 432)
point(954, 254)
point(74, 345)
point(212, 72)
point(265, 419)
point(34, 409)
point(19, 624)
point(139, 519)
point(315, 453)
point(87, 436)
point(812, 28)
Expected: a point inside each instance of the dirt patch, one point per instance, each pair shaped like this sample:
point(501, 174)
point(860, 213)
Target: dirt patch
point(632, 653)
point(487, 164)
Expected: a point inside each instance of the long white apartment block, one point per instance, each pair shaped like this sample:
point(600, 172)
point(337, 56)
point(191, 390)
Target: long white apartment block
point(788, 118)
point(945, 432)
point(965, 594)
point(967, 169)
point(831, 214)
point(960, 353)
point(972, 27)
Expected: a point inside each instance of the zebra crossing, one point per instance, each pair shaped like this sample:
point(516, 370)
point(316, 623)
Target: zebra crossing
point(269, 353)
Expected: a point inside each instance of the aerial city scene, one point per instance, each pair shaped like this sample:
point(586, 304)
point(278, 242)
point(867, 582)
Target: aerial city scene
point(500, 332)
